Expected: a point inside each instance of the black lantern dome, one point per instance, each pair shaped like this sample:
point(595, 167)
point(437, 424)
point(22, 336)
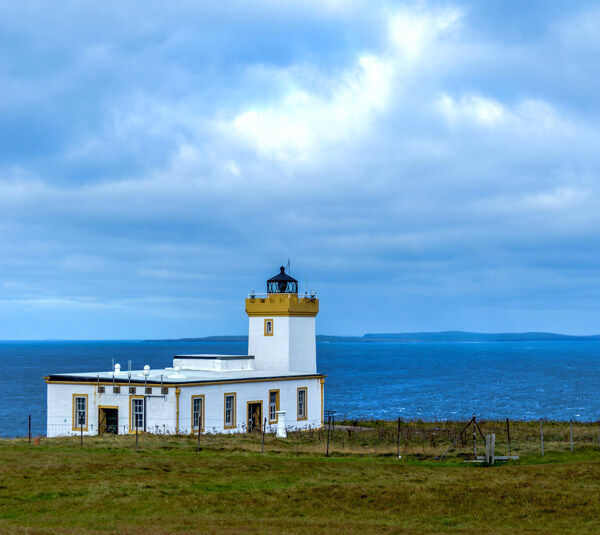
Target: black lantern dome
point(282, 283)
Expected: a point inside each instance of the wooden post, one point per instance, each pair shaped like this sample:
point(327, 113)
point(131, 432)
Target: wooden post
point(328, 431)
point(263, 437)
point(474, 420)
point(136, 431)
point(542, 435)
point(571, 434)
point(508, 433)
point(30, 429)
point(490, 442)
point(398, 439)
point(81, 428)
point(199, 432)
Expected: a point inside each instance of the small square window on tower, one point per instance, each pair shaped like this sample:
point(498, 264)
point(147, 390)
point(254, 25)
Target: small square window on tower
point(269, 327)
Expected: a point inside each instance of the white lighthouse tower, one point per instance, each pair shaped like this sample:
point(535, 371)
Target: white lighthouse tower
point(281, 333)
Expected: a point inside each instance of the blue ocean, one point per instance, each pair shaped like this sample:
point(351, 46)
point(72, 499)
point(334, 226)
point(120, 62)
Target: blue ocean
point(414, 380)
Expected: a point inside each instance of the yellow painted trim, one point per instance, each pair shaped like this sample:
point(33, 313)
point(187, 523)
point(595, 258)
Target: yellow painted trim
point(171, 385)
point(177, 393)
point(233, 416)
point(107, 407)
point(87, 412)
point(276, 406)
point(305, 403)
point(272, 326)
point(322, 401)
point(282, 305)
point(201, 413)
point(262, 414)
point(132, 429)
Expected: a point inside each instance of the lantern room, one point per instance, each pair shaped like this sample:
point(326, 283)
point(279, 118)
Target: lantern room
point(282, 283)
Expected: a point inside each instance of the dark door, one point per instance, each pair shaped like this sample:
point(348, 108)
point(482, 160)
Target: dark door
point(254, 416)
point(108, 421)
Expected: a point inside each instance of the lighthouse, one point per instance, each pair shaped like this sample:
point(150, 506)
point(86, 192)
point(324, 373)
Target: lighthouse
point(275, 385)
point(281, 330)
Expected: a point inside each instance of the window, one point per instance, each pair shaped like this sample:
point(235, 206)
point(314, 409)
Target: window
point(273, 405)
point(269, 327)
point(302, 413)
point(137, 418)
point(198, 413)
point(229, 411)
point(80, 402)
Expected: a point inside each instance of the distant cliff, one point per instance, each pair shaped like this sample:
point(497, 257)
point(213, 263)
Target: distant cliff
point(442, 336)
point(463, 336)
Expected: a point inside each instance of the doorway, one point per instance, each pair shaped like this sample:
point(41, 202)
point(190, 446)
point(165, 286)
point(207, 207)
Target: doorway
point(254, 416)
point(108, 420)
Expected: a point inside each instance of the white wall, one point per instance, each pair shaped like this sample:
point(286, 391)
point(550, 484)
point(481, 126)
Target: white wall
point(303, 345)
point(60, 408)
point(256, 391)
point(292, 347)
point(161, 411)
point(270, 352)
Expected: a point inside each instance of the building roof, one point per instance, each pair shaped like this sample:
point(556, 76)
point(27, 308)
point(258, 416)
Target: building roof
point(180, 375)
point(282, 276)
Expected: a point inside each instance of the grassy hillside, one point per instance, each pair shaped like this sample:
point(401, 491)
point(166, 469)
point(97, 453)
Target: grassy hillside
point(166, 486)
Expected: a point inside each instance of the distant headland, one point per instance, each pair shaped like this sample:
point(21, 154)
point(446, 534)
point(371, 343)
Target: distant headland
point(442, 336)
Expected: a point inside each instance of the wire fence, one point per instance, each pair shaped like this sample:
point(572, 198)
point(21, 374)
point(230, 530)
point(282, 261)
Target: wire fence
point(341, 435)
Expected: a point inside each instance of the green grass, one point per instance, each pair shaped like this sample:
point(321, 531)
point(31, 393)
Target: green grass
point(165, 486)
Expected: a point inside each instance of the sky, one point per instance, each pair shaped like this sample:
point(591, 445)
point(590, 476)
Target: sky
point(424, 166)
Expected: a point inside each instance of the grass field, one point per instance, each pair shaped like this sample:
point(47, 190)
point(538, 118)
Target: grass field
point(166, 486)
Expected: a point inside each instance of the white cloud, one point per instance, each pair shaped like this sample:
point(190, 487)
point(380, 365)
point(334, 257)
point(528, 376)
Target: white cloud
point(415, 30)
point(303, 121)
point(471, 108)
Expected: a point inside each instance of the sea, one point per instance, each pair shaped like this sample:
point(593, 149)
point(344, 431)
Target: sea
point(433, 381)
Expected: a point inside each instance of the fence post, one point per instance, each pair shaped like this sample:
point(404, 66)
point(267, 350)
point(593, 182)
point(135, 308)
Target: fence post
point(474, 437)
point(328, 431)
point(30, 429)
point(136, 431)
point(81, 428)
point(571, 433)
point(199, 432)
point(398, 439)
point(508, 433)
point(262, 450)
point(542, 435)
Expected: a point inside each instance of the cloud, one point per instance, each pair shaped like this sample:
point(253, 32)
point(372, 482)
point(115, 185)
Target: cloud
point(303, 122)
point(436, 155)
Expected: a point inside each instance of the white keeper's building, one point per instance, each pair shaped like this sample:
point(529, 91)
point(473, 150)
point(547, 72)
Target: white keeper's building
point(276, 382)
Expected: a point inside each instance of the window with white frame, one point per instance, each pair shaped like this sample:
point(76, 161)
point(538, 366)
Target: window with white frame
point(137, 413)
point(268, 327)
point(80, 412)
point(273, 405)
point(302, 404)
point(197, 412)
point(229, 410)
